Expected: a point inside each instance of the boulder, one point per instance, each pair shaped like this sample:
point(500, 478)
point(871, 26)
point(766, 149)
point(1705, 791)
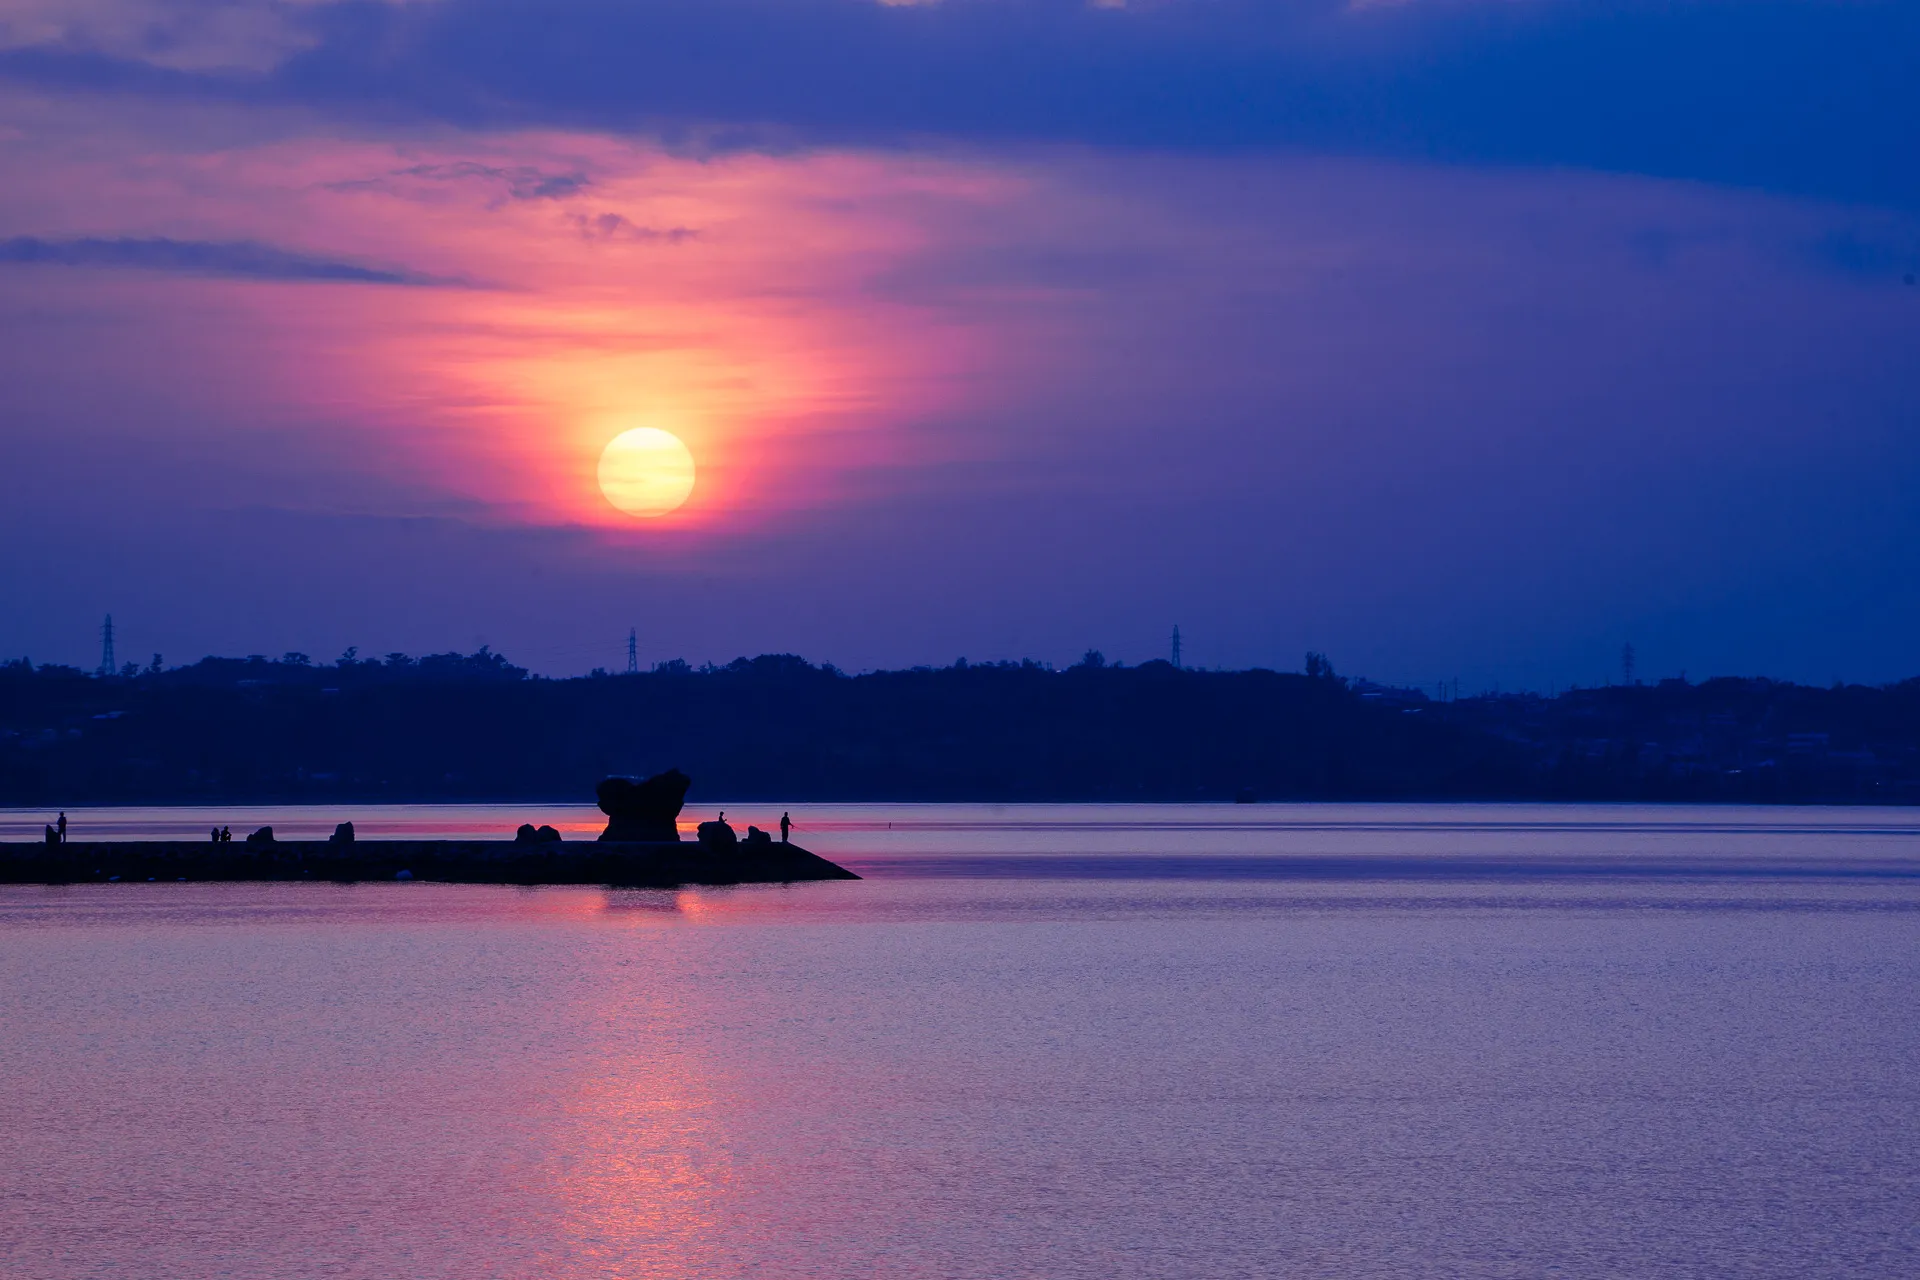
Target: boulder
point(342, 834)
point(263, 836)
point(756, 836)
point(643, 809)
point(717, 833)
point(530, 834)
point(546, 835)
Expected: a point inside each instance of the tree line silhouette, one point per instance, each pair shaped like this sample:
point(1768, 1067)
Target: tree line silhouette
point(476, 727)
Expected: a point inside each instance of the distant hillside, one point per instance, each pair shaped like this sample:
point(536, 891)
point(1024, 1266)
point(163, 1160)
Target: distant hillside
point(475, 727)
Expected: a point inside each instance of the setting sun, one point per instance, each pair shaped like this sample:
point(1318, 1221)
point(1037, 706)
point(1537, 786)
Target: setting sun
point(646, 472)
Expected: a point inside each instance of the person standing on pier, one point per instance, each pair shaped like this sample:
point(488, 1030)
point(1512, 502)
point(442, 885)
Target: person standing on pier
point(62, 826)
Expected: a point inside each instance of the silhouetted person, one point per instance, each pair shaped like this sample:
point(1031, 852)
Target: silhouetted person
point(786, 827)
point(226, 835)
point(215, 837)
point(63, 826)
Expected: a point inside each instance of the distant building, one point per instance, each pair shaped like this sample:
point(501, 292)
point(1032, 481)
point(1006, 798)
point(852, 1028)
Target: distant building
point(1389, 695)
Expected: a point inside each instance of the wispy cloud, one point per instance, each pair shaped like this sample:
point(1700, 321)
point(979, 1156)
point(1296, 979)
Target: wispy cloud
point(513, 182)
point(614, 226)
point(244, 259)
point(1865, 255)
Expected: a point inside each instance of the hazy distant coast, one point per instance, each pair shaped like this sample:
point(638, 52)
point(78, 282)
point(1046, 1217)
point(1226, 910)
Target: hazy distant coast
point(466, 727)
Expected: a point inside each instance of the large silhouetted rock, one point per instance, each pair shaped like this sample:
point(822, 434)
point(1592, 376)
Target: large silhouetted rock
point(643, 810)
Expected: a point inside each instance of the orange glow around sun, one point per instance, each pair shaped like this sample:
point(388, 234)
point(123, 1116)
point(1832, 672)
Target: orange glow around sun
point(726, 302)
point(749, 305)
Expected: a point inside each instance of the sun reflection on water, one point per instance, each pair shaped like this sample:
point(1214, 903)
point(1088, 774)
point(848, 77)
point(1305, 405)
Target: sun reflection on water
point(636, 1165)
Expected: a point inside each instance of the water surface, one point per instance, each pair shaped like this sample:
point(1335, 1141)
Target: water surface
point(1038, 1041)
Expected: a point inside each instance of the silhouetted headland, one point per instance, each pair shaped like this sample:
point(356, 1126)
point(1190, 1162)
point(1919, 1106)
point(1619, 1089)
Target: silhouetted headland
point(533, 856)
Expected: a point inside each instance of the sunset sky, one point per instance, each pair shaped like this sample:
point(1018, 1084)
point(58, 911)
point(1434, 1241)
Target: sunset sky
point(1455, 338)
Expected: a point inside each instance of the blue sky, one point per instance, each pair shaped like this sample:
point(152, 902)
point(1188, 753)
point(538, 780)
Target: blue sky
point(1454, 339)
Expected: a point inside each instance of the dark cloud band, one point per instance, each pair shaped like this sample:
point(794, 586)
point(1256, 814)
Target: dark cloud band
point(1794, 95)
point(245, 259)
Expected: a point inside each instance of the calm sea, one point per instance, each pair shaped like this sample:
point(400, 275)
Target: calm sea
point(1046, 1041)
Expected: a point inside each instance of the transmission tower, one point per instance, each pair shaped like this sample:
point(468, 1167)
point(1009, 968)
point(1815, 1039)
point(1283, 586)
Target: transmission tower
point(1176, 648)
point(633, 651)
point(107, 665)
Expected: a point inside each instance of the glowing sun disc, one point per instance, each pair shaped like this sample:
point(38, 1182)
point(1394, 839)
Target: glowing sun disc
point(646, 471)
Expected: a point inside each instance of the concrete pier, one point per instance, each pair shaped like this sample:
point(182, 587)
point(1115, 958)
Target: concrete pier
point(649, 865)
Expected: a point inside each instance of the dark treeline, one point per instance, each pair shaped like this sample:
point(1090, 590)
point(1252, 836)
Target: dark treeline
point(475, 727)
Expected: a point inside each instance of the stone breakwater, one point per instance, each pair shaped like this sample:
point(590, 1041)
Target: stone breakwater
point(637, 864)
